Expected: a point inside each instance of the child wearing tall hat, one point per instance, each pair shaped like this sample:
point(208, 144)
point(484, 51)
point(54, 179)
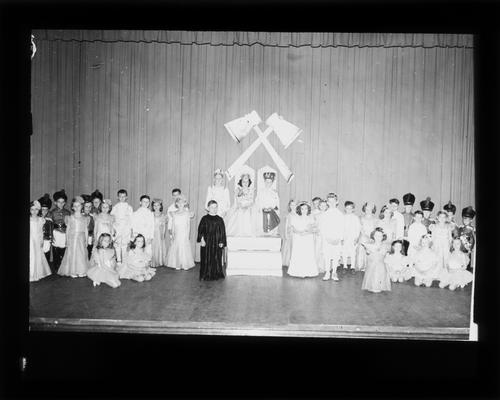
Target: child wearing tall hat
point(398, 217)
point(58, 215)
point(96, 198)
point(143, 222)
point(352, 230)
point(87, 211)
point(122, 213)
point(456, 264)
point(48, 227)
point(467, 233)
point(39, 267)
point(450, 209)
point(427, 206)
point(408, 202)
point(75, 262)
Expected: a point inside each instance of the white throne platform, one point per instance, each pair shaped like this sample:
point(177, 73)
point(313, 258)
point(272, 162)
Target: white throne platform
point(258, 255)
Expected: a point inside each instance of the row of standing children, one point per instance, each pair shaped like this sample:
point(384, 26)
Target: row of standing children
point(67, 239)
point(319, 238)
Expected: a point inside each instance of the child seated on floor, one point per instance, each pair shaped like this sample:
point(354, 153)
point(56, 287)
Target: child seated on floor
point(424, 268)
point(103, 263)
point(137, 263)
point(396, 261)
point(456, 274)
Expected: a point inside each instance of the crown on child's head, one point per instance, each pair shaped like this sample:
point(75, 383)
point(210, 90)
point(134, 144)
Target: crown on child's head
point(269, 175)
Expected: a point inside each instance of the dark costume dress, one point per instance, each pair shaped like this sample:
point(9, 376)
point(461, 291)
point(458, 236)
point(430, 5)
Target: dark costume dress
point(213, 231)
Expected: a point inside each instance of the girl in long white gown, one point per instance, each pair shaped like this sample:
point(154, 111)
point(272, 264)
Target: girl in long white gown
point(75, 262)
point(39, 267)
point(287, 241)
point(303, 258)
point(368, 225)
point(441, 239)
point(219, 193)
point(180, 255)
point(240, 218)
point(159, 245)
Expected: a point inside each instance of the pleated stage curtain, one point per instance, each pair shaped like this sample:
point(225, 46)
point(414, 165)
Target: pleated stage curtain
point(382, 114)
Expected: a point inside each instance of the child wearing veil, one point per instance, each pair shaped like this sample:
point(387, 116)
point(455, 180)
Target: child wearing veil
point(240, 218)
point(220, 193)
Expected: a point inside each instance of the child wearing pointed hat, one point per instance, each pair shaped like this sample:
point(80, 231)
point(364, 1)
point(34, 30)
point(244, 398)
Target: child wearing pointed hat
point(58, 215)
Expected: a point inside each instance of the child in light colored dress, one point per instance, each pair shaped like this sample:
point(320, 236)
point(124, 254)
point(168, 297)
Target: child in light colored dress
point(137, 264)
point(397, 261)
point(103, 263)
point(424, 264)
point(456, 264)
point(376, 278)
point(287, 241)
point(39, 267)
point(180, 255)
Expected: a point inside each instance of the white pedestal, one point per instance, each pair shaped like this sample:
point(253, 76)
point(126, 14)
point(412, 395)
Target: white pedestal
point(254, 256)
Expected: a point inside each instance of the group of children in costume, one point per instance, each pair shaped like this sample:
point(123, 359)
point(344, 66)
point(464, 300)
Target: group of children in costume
point(393, 247)
point(107, 242)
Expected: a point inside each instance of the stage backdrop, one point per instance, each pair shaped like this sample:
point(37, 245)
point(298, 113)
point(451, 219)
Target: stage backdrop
point(382, 114)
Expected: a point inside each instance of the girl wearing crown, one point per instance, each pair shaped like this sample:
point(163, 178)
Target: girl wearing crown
point(219, 193)
point(240, 219)
point(75, 262)
point(267, 205)
point(39, 267)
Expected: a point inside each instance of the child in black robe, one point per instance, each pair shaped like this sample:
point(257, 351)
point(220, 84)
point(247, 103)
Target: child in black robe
point(212, 238)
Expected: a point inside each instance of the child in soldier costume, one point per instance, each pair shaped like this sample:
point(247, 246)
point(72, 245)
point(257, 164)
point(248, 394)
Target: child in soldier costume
point(58, 215)
point(427, 206)
point(467, 233)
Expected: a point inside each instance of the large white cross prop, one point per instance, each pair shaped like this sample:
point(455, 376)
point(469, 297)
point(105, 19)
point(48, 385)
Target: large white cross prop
point(240, 127)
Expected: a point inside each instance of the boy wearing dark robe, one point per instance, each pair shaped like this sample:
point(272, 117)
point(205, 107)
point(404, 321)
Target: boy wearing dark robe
point(212, 239)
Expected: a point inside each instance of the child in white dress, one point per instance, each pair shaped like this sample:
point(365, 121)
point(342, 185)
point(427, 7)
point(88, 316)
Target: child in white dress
point(159, 246)
point(396, 261)
point(75, 262)
point(287, 241)
point(104, 222)
point(179, 254)
point(387, 223)
point(441, 239)
point(303, 258)
point(424, 262)
point(103, 262)
point(376, 278)
point(137, 263)
point(39, 267)
point(456, 264)
point(368, 225)
point(352, 230)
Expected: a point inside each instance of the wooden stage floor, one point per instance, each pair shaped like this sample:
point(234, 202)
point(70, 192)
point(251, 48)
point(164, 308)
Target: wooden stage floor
point(176, 302)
